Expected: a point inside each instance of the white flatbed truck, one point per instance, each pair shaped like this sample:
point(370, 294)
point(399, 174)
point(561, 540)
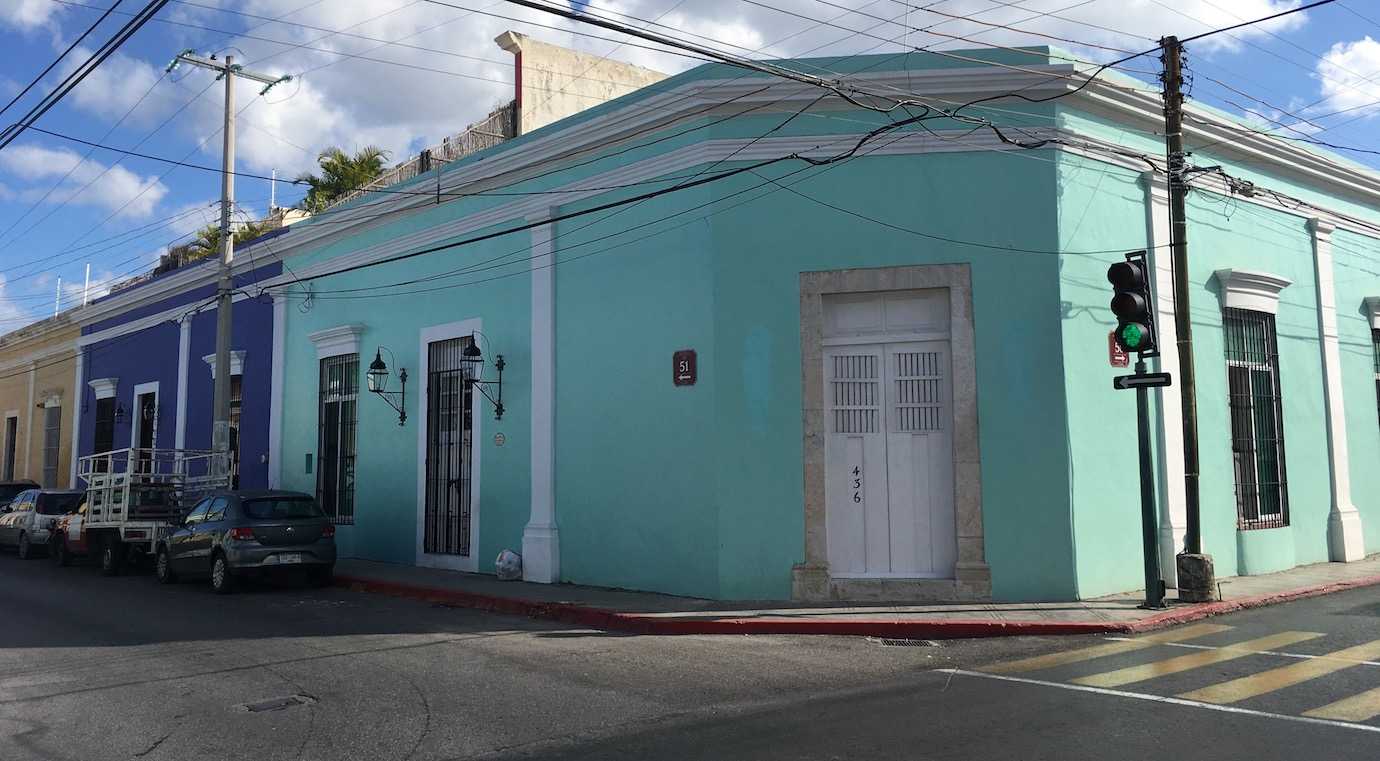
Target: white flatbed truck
point(135, 497)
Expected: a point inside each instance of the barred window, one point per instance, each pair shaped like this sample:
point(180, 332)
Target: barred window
point(1257, 420)
point(52, 427)
point(335, 452)
point(1375, 345)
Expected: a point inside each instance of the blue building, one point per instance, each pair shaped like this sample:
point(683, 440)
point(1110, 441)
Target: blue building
point(146, 365)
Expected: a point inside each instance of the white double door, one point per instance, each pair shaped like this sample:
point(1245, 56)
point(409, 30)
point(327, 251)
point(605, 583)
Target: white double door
point(889, 460)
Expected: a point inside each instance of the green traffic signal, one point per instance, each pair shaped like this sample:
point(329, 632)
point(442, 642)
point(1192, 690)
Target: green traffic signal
point(1132, 335)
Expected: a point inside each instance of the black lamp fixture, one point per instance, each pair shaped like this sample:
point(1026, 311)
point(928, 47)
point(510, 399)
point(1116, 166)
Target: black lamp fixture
point(119, 412)
point(378, 383)
point(474, 359)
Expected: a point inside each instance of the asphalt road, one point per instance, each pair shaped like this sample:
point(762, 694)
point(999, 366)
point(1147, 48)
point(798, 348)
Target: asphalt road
point(95, 668)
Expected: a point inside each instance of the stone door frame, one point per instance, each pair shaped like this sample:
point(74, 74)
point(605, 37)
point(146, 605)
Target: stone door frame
point(812, 580)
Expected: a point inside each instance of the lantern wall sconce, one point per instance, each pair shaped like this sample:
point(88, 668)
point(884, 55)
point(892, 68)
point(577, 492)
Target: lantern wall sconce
point(474, 361)
point(378, 384)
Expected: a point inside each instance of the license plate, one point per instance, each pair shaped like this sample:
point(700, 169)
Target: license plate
point(287, 558)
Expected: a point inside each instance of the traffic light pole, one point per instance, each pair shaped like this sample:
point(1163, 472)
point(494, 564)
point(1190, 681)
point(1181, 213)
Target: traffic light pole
point(1194, 569)
point(1149, 520)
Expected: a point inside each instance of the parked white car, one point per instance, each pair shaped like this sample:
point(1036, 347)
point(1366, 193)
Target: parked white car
point(31, 518)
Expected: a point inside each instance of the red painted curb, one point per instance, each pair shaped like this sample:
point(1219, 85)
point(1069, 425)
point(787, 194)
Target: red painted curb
point(635, 623)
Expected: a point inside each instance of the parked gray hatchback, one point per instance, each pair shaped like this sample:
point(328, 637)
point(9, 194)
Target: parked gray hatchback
point(239, 533)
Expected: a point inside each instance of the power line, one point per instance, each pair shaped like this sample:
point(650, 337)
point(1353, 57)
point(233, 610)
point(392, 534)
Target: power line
point(61, 56)
point(81, 72)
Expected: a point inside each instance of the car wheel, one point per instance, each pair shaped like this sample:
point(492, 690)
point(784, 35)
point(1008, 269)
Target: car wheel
point(321, 576)
point(163, 567)
point(111, 559)
point(222, 580)
point(26, 550)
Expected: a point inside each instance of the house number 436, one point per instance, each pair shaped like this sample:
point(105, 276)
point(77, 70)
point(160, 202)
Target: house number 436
point(857, 483)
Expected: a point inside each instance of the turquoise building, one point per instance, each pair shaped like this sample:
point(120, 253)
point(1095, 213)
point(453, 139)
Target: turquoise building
point(882, 373)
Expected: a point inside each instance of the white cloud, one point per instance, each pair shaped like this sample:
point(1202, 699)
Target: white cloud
point(119, 190)
point(13, 315)
point(28, 14)
point(1349, 78)
point(117, 85)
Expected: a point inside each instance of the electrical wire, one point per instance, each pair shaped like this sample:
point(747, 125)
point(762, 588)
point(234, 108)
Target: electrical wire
point(61, 56)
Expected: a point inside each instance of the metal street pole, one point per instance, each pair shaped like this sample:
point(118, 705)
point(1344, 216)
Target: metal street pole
point(225, 284)
point(1194, 569)
point(1149, 520)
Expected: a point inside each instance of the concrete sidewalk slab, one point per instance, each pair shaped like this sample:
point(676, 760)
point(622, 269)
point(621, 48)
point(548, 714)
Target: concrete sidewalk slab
point(650, 613)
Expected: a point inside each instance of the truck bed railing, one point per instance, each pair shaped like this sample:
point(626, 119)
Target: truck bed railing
point(149, 484)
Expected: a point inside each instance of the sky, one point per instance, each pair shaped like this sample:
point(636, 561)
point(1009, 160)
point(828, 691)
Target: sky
point(401, 74)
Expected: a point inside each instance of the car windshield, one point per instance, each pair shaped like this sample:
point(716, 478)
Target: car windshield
point(279, 509)
point(10, 491)
point(58, 504)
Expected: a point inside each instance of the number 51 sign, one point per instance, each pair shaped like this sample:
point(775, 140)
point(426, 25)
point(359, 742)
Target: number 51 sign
point(683, 368)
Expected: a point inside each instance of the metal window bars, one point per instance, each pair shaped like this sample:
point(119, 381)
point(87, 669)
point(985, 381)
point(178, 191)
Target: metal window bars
point(1257, 419)
point(337, 419)
point(449, 448)
point(1375, 346)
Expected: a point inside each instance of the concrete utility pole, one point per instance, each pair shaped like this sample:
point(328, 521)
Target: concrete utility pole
point(1195, 572)
point(225, 287)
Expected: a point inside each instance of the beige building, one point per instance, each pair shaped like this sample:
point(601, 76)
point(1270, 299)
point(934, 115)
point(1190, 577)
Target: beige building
point(37, 370)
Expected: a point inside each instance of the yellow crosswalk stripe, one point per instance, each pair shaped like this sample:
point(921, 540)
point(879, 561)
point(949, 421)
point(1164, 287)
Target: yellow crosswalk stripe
point(1108, 648)
point(1194, 660)
point(1285, 676)
point(1361, 707)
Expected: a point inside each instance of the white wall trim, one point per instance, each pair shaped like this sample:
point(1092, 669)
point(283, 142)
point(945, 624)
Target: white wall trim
point(136, 419)
point(78, 397)
point(541, 558)
point(1249, 289)
point(104, 388)
point(184, 350)
point(275, 395)
point(452, 562)
point(333, 342)
point(174, 314)
point(236, 362)
point(1346, 542)
point(29, 427)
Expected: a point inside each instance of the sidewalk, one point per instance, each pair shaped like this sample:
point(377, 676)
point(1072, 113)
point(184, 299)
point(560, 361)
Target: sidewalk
point(649, 613)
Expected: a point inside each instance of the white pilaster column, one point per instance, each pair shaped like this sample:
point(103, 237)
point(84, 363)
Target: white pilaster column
point(1344, 538)
point(1174, 511)
point(184, 351)
point(275, 394)
point(541, 551)
point(78, 396)
point(29, 427)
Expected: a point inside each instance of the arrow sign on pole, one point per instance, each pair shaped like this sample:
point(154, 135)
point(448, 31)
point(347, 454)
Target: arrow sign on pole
point(1142, 380)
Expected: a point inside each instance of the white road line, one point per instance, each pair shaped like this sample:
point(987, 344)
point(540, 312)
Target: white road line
point(1162, 699)
point(1300, 656)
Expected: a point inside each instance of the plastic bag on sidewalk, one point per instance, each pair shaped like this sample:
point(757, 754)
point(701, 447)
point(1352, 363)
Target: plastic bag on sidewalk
point(508, 565)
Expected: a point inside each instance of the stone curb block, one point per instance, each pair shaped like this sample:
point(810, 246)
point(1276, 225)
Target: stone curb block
point(634, 623)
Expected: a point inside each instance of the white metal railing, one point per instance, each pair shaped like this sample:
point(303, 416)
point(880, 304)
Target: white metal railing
point(494, 129)
point(149, 484)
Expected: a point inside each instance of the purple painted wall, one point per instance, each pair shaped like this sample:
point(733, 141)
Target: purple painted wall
point(151, 355)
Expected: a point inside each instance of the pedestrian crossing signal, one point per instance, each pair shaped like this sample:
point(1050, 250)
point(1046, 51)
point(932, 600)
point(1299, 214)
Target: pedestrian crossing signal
point(1132, 304)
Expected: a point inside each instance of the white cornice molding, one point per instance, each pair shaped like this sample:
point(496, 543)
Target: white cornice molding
point(236, 363)
point(1372, 307)
point(175, 314)
point(1249, 289)
point(332, 342)
point(104, 388)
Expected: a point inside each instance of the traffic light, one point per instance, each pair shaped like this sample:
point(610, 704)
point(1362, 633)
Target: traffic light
point(1132, 305)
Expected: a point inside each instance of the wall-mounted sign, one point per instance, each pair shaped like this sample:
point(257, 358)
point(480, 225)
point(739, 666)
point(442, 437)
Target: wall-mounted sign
point(1116, 355)
point(500, 439)
point(683, 367)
